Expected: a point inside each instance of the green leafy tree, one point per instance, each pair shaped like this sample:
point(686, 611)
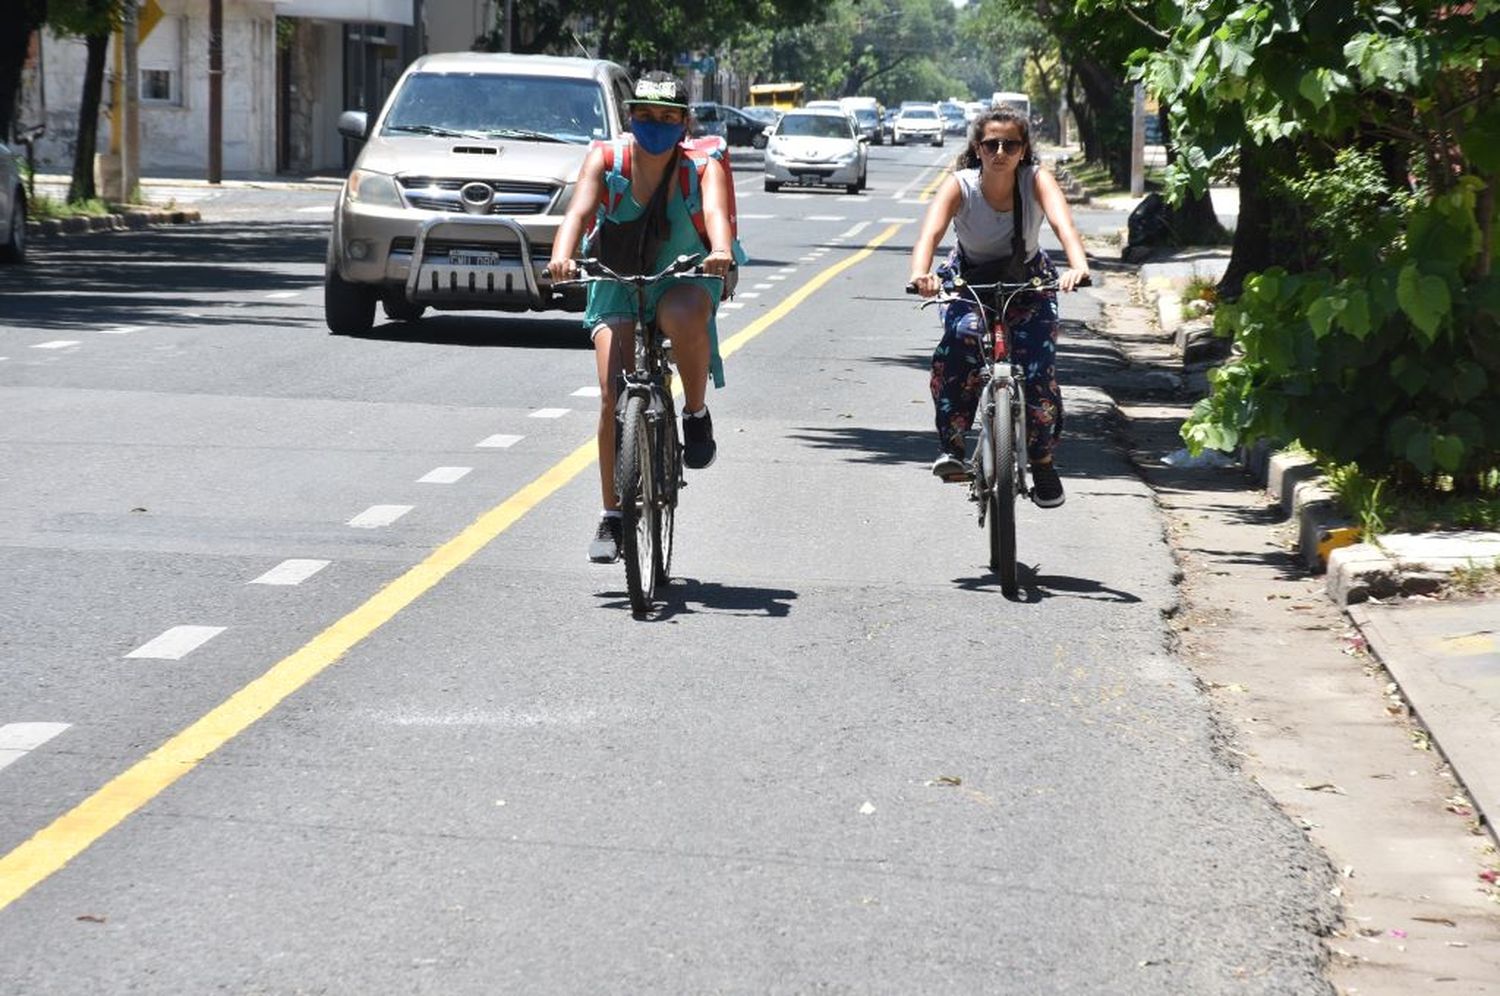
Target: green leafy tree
point(1374, 125)
point(94, 20)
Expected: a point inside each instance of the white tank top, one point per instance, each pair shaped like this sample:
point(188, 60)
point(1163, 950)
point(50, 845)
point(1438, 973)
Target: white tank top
point(984, 233)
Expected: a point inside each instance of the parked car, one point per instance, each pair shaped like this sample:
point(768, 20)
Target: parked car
point(766, 117)
point(12, 208)
point(729, 123)
point(917, 122)
point(816, 147)
point(464, 178)
point(954, 120)
point(867, 118)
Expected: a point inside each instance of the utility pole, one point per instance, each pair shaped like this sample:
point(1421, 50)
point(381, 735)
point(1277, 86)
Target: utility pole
point(1138, 142)
point(510, 13)
point(216, 91)
point(130, 150)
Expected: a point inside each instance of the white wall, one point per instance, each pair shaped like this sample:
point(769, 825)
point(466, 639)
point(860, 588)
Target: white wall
point(452, 25)
point(174, 135)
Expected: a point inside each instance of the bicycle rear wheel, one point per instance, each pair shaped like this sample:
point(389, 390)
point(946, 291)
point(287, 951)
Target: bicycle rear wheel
point(635, 483)
point(669, 464)
point(1000, 517)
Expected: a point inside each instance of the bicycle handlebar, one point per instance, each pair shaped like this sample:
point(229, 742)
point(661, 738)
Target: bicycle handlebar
point(593, 270)
point(1035, 283)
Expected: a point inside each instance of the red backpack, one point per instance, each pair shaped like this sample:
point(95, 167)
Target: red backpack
point(698, 154)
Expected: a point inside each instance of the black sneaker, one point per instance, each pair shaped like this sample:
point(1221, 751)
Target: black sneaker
point(1046, 487)
point(605, 549)
point(698, 447)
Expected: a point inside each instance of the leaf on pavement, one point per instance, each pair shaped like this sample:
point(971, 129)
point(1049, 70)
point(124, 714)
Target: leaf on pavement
point(1322, 787)
point(1442, 920)
point(943, 780)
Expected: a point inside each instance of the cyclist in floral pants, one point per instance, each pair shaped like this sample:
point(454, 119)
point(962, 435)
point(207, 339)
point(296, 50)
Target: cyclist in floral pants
point(994, 174)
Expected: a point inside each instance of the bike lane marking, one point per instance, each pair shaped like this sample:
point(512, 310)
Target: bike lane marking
point(52, 847)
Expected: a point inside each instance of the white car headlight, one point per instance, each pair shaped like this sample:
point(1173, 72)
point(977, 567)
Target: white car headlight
point(373, 189)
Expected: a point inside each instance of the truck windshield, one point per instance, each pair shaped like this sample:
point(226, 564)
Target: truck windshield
point(485, 105)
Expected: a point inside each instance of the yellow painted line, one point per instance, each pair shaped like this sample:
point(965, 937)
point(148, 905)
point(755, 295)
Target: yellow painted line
point(75, 831)
point(931, 188)
point(802, 293)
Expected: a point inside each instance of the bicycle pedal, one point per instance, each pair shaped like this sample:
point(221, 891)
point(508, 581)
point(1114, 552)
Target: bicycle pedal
point(965, 478)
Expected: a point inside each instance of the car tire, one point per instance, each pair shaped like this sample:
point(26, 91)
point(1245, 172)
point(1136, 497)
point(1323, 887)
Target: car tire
point(348, 309)
point(13, 249)
point(398, 309)
point(864, 180)
point(772, 186)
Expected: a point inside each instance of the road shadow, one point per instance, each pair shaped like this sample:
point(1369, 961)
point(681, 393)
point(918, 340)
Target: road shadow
point(689, 596)
point(483, 330)
point(858, 444)
point(1034, 586)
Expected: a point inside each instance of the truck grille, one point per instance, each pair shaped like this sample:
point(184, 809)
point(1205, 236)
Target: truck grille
point(512, 197)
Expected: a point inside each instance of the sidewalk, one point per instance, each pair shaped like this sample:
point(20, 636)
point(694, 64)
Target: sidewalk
point(1404, 592)
point(1373, 726)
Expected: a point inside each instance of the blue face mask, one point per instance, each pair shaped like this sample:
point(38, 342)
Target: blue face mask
point(657, 137)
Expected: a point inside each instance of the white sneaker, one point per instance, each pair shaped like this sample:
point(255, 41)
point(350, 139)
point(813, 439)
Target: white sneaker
point(949, 467)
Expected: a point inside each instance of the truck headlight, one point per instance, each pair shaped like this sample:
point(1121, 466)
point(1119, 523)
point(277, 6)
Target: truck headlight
point(373, 189)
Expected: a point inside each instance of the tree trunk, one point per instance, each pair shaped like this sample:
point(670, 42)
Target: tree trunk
point(1255, 246)
point(81, 188)
point(15, 42)
point(1107, 138)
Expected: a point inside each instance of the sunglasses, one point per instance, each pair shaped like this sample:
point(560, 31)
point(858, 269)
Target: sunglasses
point(1010, 145)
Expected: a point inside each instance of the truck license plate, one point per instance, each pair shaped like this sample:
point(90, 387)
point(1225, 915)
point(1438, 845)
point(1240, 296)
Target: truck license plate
point(473, 257)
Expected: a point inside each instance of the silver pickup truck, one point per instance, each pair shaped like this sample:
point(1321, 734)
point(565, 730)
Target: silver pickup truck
point(464, 178)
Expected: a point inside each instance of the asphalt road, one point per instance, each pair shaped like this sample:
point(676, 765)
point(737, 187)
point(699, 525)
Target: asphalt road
point(439, 754)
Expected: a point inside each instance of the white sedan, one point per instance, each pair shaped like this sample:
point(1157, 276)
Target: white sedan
point(921, 122)
point(816, 148)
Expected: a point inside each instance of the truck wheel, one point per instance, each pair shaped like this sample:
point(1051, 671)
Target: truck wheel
point(398, 309)
point(348, 309)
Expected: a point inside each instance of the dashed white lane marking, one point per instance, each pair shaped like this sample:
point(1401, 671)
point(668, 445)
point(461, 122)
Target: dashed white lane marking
point(776, 276)
point(730, 306)
point(762, 286)
point(911, 200)
point(855, 230)
point(377, 516)
point(444, 475)
point(549, 413)
point(787, 269)
point(749, 294)
point(282, 295)
point(897, 221)
point(591, 391)
point(176, 643)
point(499, 441)
point(290, 572)
point(19, 739)
point(55, 344)
point(121, 329)
point(320, 209)
point(796, 197)
point(756, 217)
point(852, 199)
point(824, 217)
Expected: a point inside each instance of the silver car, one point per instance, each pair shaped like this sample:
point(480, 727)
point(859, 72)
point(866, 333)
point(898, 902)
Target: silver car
point(12, 208)
point(816, 148)
point(464, 178)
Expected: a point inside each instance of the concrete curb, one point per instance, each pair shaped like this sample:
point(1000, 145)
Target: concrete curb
point(122, 221)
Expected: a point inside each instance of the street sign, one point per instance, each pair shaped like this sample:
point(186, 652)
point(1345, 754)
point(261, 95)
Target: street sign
point(146, 18)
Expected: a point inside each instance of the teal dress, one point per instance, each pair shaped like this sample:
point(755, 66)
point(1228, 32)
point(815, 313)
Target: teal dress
point(614, 301)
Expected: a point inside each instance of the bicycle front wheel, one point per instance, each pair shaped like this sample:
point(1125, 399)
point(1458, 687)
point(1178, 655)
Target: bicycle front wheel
point(1000, 517)
point(635, 483)
point(669, 464)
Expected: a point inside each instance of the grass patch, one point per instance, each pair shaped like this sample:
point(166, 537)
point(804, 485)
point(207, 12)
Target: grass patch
point(43, 206)
point(1380, 507)
point(1200, 296)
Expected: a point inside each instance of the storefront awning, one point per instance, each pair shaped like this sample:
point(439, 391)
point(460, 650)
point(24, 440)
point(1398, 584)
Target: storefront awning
point(359, 11)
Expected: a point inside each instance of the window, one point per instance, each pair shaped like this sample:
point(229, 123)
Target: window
point(160, 61)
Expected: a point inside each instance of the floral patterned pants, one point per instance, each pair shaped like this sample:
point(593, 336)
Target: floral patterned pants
point(957, 363)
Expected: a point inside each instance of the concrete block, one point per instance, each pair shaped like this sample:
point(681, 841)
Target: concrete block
point(1360, 572)
point(1285, 471)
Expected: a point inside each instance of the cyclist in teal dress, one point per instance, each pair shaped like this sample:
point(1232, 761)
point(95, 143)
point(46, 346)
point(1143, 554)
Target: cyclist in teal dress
point(684, 308)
